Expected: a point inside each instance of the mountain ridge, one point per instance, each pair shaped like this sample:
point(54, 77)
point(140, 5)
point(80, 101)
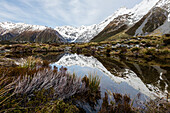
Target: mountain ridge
point(147, 24)
point(29, 33)
point(131, 21)
point(156, 21)
point(135, 14)
point(86, 33)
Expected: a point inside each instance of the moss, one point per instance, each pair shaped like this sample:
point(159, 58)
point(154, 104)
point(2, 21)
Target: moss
point(135, 49)
point(151, 51)
point(40, 101)
point(59, 106)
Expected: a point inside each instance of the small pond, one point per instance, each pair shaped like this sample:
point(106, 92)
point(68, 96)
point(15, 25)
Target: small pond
point(120, 76)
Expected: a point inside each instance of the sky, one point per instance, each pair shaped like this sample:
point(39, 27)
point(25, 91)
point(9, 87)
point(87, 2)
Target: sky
point(54, 13)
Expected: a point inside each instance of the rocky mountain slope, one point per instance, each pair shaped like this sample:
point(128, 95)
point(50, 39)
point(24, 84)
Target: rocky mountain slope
point(164, 28)
point(150, 17)
point(31, 33)
point(155, 22)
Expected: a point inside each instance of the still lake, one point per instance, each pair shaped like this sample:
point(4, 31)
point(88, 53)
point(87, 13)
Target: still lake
point(117, 75)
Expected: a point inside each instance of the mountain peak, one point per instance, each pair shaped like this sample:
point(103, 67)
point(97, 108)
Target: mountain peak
point(27, 32)
point(86, 33)
point(22, 26)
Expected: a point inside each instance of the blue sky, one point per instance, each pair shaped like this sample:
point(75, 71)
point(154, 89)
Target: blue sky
point(60, 12)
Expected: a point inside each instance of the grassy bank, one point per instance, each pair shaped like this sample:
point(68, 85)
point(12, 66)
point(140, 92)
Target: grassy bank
point(33, 86)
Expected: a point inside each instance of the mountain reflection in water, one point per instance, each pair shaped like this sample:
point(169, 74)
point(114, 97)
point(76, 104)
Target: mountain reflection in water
point(119, 76)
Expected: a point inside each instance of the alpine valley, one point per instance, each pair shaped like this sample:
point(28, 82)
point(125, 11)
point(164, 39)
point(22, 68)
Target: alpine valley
point(150, 17)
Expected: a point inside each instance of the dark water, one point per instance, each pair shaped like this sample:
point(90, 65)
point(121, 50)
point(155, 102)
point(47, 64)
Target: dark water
point(117, 75)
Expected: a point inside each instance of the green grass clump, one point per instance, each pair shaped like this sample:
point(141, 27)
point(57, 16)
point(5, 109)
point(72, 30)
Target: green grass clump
point(94, 82)
point(92, 94)
point(164, 52)
point(30, 62)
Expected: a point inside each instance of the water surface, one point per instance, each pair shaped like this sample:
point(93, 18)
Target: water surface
point(119, 76)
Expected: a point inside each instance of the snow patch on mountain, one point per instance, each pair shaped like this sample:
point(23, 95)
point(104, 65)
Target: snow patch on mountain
point(130, 77)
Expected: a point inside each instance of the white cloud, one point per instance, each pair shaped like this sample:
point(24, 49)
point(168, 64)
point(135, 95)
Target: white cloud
point(60, 12)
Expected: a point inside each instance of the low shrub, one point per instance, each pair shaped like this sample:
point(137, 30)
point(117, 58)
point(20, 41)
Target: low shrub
point(124, 104)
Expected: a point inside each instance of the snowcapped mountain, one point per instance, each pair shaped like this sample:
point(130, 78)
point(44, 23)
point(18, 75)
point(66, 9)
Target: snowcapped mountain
point(150, 17)
point(155, 22)
point(26, 32)
point(130, 77)
point(86, 33)
point(128, 16)
point(123, 22)
point(19, 27)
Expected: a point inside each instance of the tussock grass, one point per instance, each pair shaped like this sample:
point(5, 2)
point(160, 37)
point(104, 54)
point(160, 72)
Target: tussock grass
point(94, 82)
point(92, 94)
point(30, 62)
